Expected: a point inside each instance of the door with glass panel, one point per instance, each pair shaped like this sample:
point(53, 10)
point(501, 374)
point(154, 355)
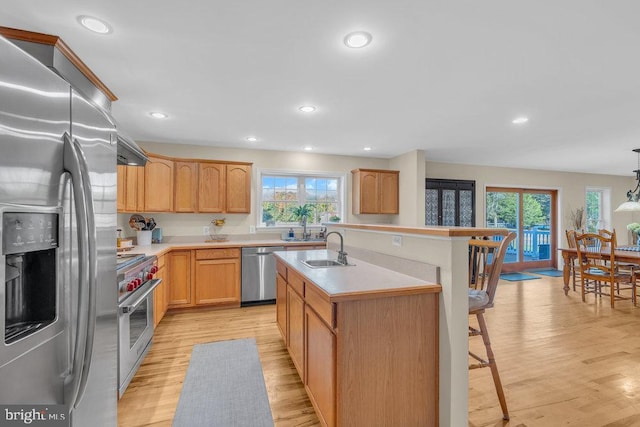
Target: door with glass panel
point(531, 215)
point(450, 202)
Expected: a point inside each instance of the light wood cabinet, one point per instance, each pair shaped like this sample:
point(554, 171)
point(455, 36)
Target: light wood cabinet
point(220, 187)
point(356, 367)
point(186, 186)
point(160, 294)
point(158, 185)
point(238, 188)
point(217, 277)
point(389, 189)
point(211, 187)
point(295, 333)
point(320, 368)
point(130, 188)
point(281, 305)
point(179, 273)
point(375, 191)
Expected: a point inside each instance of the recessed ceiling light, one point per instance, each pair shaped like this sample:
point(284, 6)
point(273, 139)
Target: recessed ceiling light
point(357, 39)
point(94, 24)
point(307, 108)
point(520, 120)
point(251, 139)
point(308, 148)
point(367, 148)
point(157, 115)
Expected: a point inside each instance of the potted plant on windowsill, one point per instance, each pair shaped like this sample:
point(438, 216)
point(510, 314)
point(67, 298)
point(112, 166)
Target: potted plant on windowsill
point(267, 218)
point(302, 210)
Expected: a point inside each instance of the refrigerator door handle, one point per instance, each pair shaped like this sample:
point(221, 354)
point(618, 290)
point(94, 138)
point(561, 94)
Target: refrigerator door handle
point(75, 164)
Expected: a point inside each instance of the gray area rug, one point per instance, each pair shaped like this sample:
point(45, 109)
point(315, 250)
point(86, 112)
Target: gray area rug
point(224, 387)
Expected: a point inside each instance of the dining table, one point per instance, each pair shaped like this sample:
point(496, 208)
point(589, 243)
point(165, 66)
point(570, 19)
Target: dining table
point(626, 254)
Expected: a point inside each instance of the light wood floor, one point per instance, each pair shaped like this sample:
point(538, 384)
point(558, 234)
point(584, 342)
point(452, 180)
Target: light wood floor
point(563, 362)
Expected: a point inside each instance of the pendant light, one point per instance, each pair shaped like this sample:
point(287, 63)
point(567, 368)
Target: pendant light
point(632, 204)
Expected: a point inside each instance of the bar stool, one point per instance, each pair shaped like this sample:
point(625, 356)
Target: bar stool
point(485, 265)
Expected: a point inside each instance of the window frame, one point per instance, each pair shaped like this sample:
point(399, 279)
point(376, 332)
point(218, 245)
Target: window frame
point(604, 208)
point(300, 175)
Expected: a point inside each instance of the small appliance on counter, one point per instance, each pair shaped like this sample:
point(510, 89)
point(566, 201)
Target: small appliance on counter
point(156, 235)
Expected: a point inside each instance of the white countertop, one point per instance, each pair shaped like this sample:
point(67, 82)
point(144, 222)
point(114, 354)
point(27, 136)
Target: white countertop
point(162, 248)
point(360, 280)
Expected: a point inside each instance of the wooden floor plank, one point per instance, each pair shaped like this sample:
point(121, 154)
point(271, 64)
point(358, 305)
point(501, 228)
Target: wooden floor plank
point(562, 361)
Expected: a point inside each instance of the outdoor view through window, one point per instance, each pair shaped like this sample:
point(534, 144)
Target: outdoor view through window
point(285, 198)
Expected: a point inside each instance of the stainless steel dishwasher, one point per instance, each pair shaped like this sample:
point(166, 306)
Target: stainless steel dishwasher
point(259, 275)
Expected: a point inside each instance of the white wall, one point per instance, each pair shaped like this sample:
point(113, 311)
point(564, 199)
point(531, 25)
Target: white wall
point(571, 189)
point(191, 224)
point(411, 192)
point(413, 168)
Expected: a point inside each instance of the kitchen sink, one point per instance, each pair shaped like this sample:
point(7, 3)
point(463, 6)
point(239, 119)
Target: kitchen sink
point(296, 239)
point(324, 263)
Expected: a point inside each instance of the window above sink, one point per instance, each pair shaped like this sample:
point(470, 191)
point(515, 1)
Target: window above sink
point(281, 192)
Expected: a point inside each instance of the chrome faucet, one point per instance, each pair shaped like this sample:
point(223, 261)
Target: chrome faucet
point(303, 223)
point(342, 255)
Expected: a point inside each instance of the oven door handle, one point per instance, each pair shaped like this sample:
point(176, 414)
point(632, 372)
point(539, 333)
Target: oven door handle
point(131, 307)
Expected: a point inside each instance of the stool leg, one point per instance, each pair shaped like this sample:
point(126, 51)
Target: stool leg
point(493, 366)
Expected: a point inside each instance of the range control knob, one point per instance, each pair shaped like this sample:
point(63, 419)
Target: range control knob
point(153, 270)
point(130, 286)
point(150, 276)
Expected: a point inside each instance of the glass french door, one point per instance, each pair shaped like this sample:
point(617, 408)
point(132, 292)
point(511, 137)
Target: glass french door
point(531, 214)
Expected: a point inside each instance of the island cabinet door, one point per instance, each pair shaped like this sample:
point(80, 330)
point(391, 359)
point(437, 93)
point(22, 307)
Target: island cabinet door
point(281, 306)
point(295, 315)
point(320, 367)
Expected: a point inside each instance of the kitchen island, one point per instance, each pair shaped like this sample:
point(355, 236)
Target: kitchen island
point(363, 338)
point(447, 248)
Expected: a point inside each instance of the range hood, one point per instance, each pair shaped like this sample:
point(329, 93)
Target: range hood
point(129, 153)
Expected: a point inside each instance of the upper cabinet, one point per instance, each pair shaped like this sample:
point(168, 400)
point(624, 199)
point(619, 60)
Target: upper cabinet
point(238, 198)
point(375, 191)
point(130, 188)
point(158, 185)
point(211, 187)
point(185, 185)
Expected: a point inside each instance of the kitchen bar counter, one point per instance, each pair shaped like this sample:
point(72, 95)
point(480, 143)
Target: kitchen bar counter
point(441, 231)
point(364, 340)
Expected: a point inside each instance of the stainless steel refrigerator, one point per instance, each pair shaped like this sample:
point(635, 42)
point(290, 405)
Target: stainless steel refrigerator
point(58, 230)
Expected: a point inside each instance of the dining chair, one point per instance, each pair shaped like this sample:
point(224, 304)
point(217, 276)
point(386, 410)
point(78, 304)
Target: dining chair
point(599, 269)
point(573, 269)
point(485, 265)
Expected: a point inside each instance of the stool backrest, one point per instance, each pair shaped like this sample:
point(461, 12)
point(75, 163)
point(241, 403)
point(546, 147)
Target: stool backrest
point(485, 263)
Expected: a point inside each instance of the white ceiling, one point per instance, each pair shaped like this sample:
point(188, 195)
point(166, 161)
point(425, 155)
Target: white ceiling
point(446, 77)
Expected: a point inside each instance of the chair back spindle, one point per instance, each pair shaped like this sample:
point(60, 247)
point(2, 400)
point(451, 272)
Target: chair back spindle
point(485, 264)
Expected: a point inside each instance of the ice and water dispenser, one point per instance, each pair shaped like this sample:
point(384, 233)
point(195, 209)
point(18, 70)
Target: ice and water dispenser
point(29, 244)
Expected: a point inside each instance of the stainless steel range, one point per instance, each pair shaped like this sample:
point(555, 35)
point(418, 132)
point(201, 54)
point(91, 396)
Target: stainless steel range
point(136, 283)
